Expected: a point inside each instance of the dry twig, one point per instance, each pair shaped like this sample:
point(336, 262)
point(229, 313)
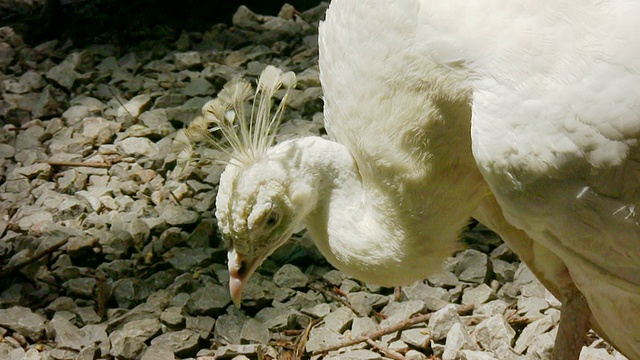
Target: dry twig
point(345, 302)
point(79, 164)
point(403, 325)
point(302, 340)
point(13, 268)
point(386, 351)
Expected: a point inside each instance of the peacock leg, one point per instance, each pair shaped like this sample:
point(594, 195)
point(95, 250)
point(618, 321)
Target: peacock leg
point(574, 324)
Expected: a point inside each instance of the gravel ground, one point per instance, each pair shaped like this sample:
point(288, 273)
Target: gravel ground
point(108, 251)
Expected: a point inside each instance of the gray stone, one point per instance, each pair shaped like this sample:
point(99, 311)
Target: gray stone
point(420, 291)
point(541, 347)
point(509, 292)
point(158, 121)
point(275, 319)
point(245, 18)
point(62, 303)
point(494, 332)
point(129, 341)
point(13, 86)
point(399, 346)
point(495, 307)
point(208, 300)
point(36, 354)
point(532, 330)
point(158, 352)
point(339, 320)
point(117, 269)
point(524, 275)
point(415, 355)
point(66, 143)
point(364, 302)
point(396, 312)
point(187, 60)
point(531, 307)
point(177, 215)
point(42, 171)
point(290, 276)
point(504, 270)
point(443, 280)
point(334, 277)
point(23, 321)
point(363, 325)
point(198, 87)
point(184, 343)
point(88, 315)
point(318, 311)
point(227, 328)
point(6, 151)
point(131, 291)
point(29, 138)
point(32, 80)
point(75, 114)
point(64, 74)
point(202, 324)
point(442, 320)
point(457, 339)
point(476, 355)
point(80, 287)
point(135, 106)
point(50, 103)
point(418, 337)
point(254, 331)
point(238, 351)
point(67, 335)
point(477, 295)
point(471, 266)
point(553, 302)
point(595, 354)
point(172, 316)
point(433, 304)
point(98, 130)
point(360, 354)
point(349, 286)
point(320, 337)
point(186, 259)
point(137, 146)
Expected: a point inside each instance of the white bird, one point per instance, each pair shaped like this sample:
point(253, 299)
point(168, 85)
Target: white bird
point(522, 114)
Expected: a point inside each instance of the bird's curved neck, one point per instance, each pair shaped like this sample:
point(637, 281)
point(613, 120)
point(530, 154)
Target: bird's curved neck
point(363, 231)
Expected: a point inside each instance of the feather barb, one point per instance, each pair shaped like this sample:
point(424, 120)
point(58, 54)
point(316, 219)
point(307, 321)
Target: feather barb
point(244, 139)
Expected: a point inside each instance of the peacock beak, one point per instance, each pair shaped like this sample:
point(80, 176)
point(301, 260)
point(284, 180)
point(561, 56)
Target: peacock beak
point(238, 276)
point(242, 267)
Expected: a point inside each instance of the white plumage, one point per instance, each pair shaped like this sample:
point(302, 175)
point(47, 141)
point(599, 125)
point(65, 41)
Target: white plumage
point(522, 114)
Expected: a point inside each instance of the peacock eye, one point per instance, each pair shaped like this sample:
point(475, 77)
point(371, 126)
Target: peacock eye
point(273, 219)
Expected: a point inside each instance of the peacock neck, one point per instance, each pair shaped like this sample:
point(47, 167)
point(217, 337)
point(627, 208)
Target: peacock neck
point(367, 231)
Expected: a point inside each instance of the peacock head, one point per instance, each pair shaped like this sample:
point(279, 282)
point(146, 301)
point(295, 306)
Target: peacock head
point(257, 213)
point(255, 205)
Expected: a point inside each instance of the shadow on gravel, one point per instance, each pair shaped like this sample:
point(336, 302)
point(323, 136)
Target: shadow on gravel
point(123, 22)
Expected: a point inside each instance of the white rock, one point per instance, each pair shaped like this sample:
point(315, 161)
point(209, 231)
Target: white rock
point(442, 321)
point(135, 106)
point(99, 130)
point(595, 354)
point(457, 339)
point(476, 355)
point(477, 295)
point(541, 346)
point(138, 146)
point(30, 220)
point(532, 330)
point(494, 332)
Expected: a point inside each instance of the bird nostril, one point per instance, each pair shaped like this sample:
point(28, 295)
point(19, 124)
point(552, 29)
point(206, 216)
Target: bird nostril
point(242, 269)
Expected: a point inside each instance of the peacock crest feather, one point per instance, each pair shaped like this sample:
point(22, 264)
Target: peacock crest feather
point(244, 138)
